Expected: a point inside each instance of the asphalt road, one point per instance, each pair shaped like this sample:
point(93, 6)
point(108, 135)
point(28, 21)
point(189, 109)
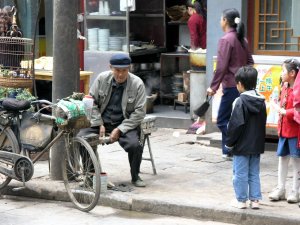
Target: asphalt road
point(29, 211)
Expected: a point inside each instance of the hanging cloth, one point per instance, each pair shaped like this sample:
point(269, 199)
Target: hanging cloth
point(127, 3)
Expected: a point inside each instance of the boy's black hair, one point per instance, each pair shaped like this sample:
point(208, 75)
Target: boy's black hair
point(247, 75)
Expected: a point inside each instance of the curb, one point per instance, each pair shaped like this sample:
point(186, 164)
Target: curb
point(170, 207)
point(34, 189)
point(209, 212)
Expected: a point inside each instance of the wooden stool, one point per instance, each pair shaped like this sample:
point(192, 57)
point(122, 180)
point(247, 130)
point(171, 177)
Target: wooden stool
point(147, 126)
point(185, 104)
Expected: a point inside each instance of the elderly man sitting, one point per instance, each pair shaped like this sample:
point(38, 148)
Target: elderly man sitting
point(120, 98)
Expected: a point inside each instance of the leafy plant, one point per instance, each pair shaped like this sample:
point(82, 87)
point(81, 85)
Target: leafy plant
point(18, 93)
point(24, 94)
point(3, 93)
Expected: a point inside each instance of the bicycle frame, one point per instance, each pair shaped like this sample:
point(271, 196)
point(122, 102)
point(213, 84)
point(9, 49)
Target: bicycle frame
point(39, 155)
point(11, 158)
point(79, 165)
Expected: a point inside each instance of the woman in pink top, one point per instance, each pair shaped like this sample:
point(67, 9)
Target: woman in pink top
point(233, 53)
point(197, 23)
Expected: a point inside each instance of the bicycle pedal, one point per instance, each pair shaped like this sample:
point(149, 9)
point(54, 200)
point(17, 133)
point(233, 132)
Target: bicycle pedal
point(18, 189)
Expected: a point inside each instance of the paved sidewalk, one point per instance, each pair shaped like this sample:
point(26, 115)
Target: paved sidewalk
point(192, 181)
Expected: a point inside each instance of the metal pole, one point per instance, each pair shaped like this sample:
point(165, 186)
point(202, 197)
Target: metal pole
point(65, 65)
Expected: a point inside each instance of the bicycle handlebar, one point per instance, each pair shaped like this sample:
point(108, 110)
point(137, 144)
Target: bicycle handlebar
point(42, 101)
point(39, 115)
point(104, 140)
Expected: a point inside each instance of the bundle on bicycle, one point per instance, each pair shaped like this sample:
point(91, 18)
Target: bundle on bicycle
point(23, 130)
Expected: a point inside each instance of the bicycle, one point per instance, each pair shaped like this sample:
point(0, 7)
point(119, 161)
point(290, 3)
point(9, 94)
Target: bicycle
point(80, 165)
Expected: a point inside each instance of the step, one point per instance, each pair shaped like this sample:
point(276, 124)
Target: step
point(167, 117)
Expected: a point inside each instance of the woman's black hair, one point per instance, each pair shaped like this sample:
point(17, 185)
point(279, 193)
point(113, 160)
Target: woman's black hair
point(247, 75)
point(230, 15)
point(199, 5)
point(292, 64)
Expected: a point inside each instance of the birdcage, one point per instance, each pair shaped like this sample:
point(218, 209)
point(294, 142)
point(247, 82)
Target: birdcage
point(16, 62)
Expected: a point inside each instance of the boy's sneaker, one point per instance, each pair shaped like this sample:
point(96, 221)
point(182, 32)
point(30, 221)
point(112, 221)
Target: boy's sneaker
point(227, 157)
point(293, 197)
point(254, 204)
point(277, 194)
point(239, 205)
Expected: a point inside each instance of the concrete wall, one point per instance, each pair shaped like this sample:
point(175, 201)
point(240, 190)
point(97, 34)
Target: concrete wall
point(184, 35)
point(214, 33)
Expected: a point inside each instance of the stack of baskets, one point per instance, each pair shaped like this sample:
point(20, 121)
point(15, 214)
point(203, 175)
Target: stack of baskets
point(177, 85)
point(13, 73)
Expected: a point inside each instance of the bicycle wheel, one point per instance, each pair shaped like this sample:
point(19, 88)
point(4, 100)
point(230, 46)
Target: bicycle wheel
point(80, 167)
point(9, 143)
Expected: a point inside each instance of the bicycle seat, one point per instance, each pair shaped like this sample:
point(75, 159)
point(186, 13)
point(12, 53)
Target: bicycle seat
point(12, 104)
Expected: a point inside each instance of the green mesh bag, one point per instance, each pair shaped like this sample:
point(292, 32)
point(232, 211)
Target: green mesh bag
point(71, 114)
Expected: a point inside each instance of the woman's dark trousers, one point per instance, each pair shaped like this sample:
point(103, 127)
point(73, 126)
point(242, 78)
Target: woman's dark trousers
point(229, 95)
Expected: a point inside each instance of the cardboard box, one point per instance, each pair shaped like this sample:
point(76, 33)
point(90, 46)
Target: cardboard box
point(182, 97)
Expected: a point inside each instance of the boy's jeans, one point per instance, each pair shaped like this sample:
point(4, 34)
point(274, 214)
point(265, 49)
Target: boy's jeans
point(246, 181)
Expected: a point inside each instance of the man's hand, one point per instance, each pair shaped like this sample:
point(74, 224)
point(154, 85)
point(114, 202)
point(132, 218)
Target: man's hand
point(210, 92)
point(115, 135)
point(102, 131)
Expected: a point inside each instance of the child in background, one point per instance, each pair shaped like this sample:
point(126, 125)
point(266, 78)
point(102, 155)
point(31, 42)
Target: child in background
point(296, 92)
point(296, 103)
point(288, 131)
point(246, 138)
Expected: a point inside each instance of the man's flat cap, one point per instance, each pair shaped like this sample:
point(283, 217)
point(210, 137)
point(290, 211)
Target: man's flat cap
point(120, 60)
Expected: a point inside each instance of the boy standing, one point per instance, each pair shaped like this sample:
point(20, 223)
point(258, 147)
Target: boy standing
point(246, 138)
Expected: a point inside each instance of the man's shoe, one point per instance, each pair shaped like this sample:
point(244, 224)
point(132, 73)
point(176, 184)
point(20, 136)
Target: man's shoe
point(293, 197)
point(139, 183)
point(277, 194)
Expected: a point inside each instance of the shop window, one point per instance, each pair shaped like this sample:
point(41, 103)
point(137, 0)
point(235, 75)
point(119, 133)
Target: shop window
point(277, 27)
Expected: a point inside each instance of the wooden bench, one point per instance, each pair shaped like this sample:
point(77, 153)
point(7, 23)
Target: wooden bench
point(147, 126)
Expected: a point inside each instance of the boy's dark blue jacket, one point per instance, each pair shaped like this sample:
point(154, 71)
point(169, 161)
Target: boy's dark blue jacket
point(247, 124)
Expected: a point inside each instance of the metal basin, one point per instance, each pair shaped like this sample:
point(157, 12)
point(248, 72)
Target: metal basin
point(198, 60)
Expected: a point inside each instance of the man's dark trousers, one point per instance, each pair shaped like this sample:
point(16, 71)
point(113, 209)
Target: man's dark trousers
point(129, 141)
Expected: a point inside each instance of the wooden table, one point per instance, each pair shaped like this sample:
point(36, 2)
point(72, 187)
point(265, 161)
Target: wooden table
point(47, 75)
